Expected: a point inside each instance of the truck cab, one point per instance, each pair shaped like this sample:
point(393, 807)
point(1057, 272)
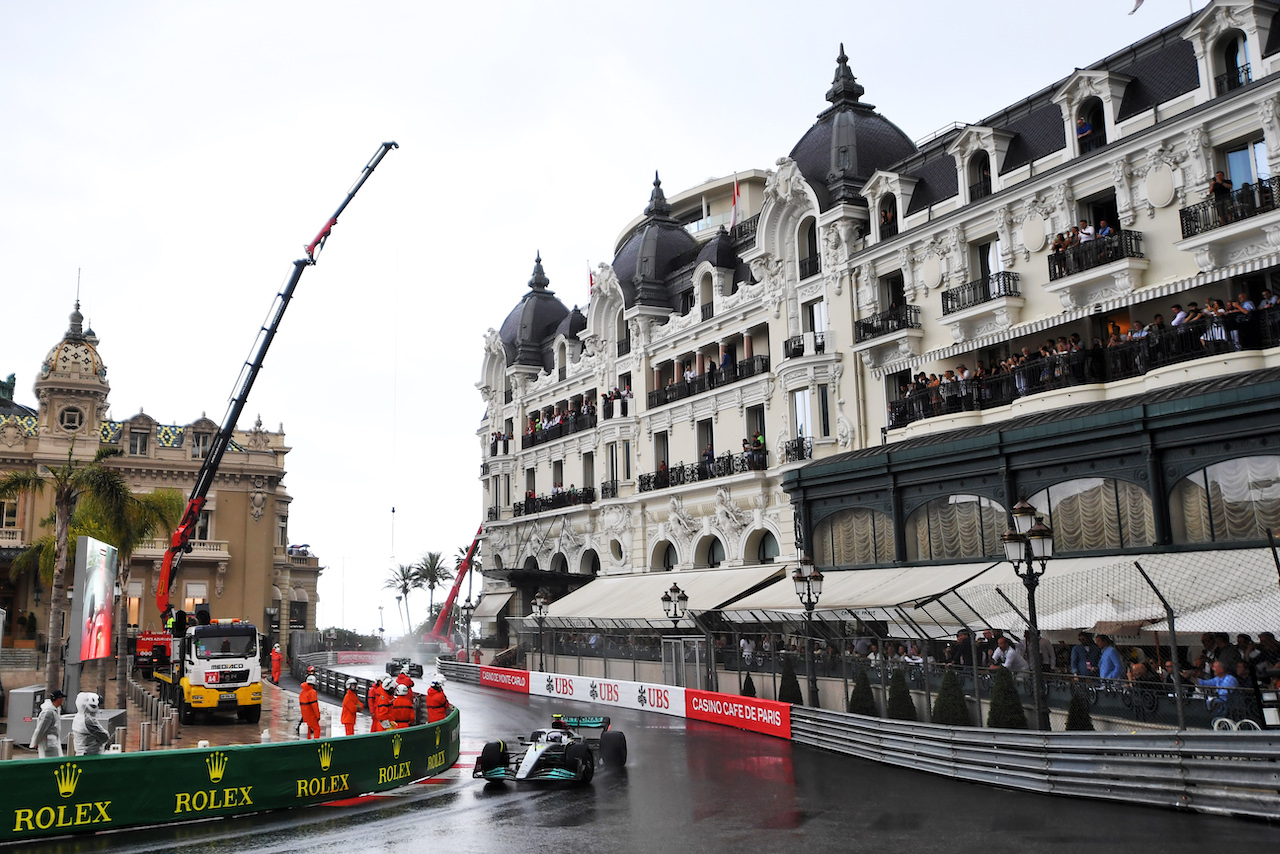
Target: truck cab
point(217, 668)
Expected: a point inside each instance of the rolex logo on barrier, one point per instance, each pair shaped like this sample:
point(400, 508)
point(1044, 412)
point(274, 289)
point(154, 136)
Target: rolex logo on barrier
point(395, 745)
point(217, 764)
point(437, 736)
point(326, 755)
point(67, 775)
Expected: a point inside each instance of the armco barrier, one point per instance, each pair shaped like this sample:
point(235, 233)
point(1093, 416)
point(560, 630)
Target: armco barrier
point(1234, 773)
point(46, 797)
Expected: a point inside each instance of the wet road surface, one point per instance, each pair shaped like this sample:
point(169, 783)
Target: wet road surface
point(692, 787)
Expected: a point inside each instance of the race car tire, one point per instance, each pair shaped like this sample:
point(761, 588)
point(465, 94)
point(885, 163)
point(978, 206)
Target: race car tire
point(494, 755)
point(613, 749)
point(415, 671)
point(579, 755)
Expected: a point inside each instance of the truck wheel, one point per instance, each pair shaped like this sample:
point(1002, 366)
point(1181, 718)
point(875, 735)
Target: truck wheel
point(493, 756)
point(579, 756)
point(188, 715)
point(251, 714)
point(613, 749)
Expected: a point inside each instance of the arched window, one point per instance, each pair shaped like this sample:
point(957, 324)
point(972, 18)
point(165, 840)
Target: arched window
point(1231, 63)
point(979, 176)
point(956, 526)
point(767, 549)
point(1226, 502)
point(531, 564)
point(807, 244)
point(855, 537)
point(1091, 125)
point(664, 558)
point(589, 564)
point(710, 552)
point(559, 563)
point(623, 333)
point(888, 216)
point(1096, 513)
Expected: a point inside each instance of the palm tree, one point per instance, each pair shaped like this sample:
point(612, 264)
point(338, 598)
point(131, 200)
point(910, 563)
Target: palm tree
point(404, 578)
point(70, 482)
point(432, 572)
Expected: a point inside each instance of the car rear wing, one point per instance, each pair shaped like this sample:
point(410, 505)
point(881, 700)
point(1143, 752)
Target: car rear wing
point(580, 722)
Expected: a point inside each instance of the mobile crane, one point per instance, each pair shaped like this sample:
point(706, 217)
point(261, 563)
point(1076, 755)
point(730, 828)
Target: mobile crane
point(180, 542)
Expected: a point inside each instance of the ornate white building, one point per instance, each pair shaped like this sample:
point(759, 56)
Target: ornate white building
point(864, 259)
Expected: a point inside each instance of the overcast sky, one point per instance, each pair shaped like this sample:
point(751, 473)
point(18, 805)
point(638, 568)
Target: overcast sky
point(181, 154)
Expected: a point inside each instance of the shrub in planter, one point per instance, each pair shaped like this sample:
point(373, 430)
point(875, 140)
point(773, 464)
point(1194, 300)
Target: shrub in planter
point(950, 708)
point(1078, 717)
point(861, 700)
point(789, 687)
point(748, 687)
point(901, 706)
point(1006, 707)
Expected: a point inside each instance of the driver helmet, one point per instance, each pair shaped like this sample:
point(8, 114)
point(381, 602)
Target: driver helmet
point(555, 737)
point(401, 690)
point(311, 679)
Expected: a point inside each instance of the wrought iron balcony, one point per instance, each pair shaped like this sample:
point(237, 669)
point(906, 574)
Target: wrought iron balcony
point(793, 347)
point(745, 230)
point(724, 465)
point(1232, 80)
point(1249, 200)
point(507, 396)
point(888, 228)
point(561, 373)
point(609, 489)
point(810, 266)
point(624, 346)
point(995, 286)
point(567, 426)
point(1095, 253)
point(1199, 339)
point(502, 447)
point(555, 501)
point(708, 311)
point(980, 190)
point(615, 407)
point(886, 322)
point(800, 448)
point(494, 514)
point(708, 381)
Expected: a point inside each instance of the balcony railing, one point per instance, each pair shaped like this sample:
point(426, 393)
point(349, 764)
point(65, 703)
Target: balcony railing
point(624, 346)
point(494, 514)
point(555, 501)
point(894, 320)
point(1188, 342)
point(561, 373)
point(793, 347)
point(502, 447)
point(610, 407)
point(1095, 253)
point(713, 378)
point(722, 466)
point(574, 424)
point(888, 228)
point(980, 190)
point(995, 286)
point(507, 396)
point(1247, 201)
point(1232, 80)
point(11, 538)
point(800, 448)
point(745, 230)
point(609, 489)
point(810, 266)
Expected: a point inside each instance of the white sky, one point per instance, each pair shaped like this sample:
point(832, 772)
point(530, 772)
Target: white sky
point(181, 154)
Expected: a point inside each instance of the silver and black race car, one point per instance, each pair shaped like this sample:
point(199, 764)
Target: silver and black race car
point(395, 665)
point(567, 751)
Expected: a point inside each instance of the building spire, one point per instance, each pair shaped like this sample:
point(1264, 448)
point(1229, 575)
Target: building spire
point(657, 200)
point(845, 90)
point(539, 281)
point(75, 332)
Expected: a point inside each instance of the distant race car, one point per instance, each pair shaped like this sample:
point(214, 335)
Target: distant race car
point(395, 664)
point(561, 752)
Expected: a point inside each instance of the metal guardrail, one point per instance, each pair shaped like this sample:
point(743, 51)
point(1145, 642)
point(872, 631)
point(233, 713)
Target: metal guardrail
point(1214, 772)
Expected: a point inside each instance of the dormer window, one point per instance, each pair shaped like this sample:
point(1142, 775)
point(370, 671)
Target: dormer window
point(1091, 126)
point(138, 443)
point(979, 176)
point(200, 445)
point(71, 419)
point(888, 216)
point(1231, 63)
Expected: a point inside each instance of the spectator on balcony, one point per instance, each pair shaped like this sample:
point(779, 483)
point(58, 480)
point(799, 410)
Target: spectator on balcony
point(1157, 326)
point(689, 373)
point(1008, 657)
point(708, 462)
point(1179, 316)
point(1220, 191)
point(1110, 665)
point(1104, 230)
point(1084, 130)
point(1137, 331)
point(1085, 231)
point(1059, 244)
point(1084, 656)
point(1268, 299)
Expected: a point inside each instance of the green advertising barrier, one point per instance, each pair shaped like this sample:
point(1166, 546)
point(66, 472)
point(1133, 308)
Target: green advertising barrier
point(84, 794)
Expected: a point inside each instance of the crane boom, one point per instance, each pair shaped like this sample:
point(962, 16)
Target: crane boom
point(180, 542)
point(440, 631)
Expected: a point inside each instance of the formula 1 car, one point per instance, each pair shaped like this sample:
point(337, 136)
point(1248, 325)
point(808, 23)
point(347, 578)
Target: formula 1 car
point(558, 753)
point(395, 664)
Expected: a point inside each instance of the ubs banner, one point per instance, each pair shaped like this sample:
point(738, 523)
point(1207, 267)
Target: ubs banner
point(45, 797)
point(664, 699)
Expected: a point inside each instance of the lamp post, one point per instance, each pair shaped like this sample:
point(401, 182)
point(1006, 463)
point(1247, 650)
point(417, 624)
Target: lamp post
point(808, 581)
point(675, 604)
point(468, 608)
point(540, 603)
point(1029, 542)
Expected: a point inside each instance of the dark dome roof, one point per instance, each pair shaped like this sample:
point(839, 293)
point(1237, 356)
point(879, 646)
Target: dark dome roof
point(719, 251)
point(848, 143)
point(573, 323)
point(651, 252)
point(532, 323)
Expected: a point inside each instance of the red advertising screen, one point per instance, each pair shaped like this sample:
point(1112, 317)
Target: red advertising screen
point(767, 716)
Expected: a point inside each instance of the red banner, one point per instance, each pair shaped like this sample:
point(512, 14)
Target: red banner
point(509, 680)
point(766, 716)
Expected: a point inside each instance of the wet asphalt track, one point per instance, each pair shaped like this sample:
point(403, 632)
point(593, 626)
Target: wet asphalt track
point(692, 787)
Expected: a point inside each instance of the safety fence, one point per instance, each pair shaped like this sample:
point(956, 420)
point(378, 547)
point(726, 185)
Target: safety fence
point(1236, 773)
point(57, 796)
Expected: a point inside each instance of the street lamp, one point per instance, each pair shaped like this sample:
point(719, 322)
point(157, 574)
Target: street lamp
point(675, 604)
point(1030, 541)
point(468, 608)
point(540, 603)
point(808, 581)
